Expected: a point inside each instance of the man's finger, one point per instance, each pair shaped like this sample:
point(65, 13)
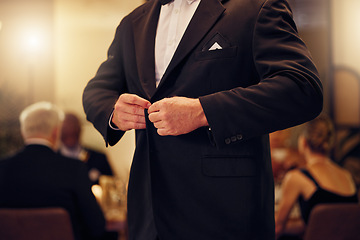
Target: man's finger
point(135, 100)
point(155, 107)
point(131, 109)
point(154, 117)
point(131, 118)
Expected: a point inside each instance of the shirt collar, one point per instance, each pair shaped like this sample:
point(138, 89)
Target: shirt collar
point(71, 152)
point(38, 141)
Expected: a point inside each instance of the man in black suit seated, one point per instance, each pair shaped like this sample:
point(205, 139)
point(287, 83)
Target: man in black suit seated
point(37, 176)
point(96, 162)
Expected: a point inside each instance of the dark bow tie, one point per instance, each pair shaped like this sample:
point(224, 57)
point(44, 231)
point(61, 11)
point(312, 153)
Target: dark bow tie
point(163, 2)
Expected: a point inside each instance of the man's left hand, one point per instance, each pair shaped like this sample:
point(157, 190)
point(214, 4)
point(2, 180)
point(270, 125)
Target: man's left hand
point(177, 115)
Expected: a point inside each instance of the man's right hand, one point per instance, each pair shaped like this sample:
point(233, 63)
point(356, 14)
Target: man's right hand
point(129, 112)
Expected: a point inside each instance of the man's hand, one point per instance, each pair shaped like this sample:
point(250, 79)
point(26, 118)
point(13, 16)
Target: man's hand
point(129, 112)
point(177, 115)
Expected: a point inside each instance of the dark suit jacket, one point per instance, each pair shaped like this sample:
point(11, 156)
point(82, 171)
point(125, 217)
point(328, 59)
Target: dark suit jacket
point(97, 160)
point(218, 183)
point(39, 177)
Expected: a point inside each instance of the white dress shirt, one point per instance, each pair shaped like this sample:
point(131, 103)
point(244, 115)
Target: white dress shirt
point(173, 21)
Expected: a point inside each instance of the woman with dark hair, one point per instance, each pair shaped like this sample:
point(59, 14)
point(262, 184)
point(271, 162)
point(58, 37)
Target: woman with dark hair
point(320, 181)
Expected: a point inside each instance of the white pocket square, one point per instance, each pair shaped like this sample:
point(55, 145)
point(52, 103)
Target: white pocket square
point(215, 46)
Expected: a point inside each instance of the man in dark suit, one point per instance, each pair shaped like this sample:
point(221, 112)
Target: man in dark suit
point(96, 162)
point(39, 177)
point(203, 82)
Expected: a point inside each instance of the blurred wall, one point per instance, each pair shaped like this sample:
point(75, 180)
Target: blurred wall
point(346, 58)
point(346, 33)
point(26, 63)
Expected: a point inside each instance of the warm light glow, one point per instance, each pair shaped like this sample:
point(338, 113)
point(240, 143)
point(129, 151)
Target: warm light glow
point(97, 191)
point(0, 25)
point(33, 41)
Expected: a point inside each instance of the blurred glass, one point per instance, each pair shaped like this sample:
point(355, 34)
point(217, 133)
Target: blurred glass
point(113, 198)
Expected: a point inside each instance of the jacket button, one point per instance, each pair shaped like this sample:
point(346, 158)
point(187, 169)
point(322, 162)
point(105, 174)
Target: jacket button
point(233, 139)
point(239, 137)
point(227, 141)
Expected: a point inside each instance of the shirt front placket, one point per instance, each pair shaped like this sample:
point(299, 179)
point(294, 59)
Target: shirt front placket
point(172, 37)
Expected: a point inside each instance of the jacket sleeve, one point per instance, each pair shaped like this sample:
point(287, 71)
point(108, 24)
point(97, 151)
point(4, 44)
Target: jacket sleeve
point(289, 92)
point(102, 91)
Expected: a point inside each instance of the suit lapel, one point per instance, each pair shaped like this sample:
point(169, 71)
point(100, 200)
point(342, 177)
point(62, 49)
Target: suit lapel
point(144, 37)
point(203, 20)
point(145, 27)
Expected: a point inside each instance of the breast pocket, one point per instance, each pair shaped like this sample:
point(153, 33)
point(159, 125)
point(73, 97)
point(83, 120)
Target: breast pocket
point(229, 52)
point(228, 166)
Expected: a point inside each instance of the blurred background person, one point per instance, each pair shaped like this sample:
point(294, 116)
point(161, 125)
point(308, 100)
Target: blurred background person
point(284, 157)
point(320, 181)
point(37, 176)
point(284, 153)
point(97, 163)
